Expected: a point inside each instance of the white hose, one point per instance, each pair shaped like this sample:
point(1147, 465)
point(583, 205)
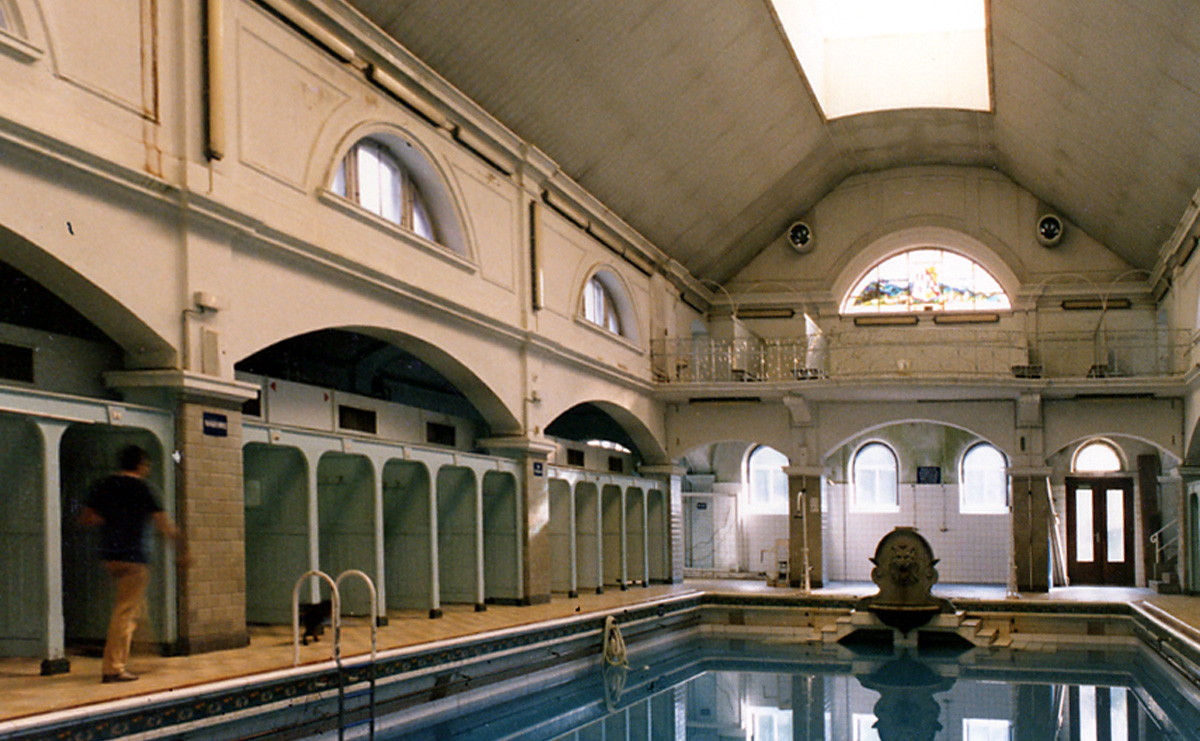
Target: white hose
point(614, 644)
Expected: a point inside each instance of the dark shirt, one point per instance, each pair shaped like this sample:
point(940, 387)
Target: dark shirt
point(126, 503)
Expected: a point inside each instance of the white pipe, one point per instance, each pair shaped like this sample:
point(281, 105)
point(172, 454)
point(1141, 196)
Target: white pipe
point(215, 28)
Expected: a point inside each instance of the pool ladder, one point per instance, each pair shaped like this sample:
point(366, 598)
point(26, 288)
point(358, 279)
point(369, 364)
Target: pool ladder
point(336, 609)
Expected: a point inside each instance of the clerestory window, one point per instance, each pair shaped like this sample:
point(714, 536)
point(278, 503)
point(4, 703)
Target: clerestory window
point(926, 279)
point(600, 306)
point(373, 177)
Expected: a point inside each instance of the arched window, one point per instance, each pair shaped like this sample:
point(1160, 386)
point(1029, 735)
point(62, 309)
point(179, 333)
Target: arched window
point(605, 303)
point(926, 279)
point(1096, 457)
point(768, 482)
point(875, 479)
point(372, 176)
point(599, 307)
point(983, 483)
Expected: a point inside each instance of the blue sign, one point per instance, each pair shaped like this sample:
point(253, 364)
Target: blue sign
point(216, 425)
point(539, 468)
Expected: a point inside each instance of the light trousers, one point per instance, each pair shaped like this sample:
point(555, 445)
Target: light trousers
point(129, 582)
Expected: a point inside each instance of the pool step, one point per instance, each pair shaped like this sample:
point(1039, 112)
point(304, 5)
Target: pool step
point(972, 629)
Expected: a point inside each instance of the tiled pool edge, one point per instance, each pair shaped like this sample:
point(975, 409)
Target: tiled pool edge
point(214, 704)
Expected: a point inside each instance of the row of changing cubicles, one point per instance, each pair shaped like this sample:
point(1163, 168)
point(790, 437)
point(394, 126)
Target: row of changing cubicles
point(430, 525)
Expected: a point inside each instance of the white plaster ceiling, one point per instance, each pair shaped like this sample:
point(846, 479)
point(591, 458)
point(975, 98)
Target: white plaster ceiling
point(690, 119)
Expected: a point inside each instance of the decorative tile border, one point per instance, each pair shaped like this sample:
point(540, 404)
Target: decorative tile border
point(209, 706)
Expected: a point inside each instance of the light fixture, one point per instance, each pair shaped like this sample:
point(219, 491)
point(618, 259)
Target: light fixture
point(886, 320)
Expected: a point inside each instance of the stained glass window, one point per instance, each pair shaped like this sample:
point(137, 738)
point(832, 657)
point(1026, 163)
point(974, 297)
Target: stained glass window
point(926, 279)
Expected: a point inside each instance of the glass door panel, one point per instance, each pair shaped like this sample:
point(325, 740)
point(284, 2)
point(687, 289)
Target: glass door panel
point(1084, 536)
point(1115, 532)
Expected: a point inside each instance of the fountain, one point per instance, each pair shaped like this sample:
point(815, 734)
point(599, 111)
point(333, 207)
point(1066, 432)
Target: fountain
point(905, 573)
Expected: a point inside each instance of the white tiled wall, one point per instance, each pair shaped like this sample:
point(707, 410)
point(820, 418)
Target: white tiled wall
point(761, 533)
point(972, 549)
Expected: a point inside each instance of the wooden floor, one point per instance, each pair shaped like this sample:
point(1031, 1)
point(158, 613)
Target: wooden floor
point(23, 692)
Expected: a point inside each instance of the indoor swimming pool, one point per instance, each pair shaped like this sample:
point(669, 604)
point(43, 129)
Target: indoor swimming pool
point(710, 689)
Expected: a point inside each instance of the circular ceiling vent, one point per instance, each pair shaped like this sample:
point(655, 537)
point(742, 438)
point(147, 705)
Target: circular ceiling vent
point(800, 236)
point(1050, 230)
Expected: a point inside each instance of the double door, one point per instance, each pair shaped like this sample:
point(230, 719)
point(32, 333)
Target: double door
point(1100, 545)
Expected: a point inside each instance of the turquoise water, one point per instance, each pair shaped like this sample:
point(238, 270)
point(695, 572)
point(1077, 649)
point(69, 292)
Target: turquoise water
point(718, 690)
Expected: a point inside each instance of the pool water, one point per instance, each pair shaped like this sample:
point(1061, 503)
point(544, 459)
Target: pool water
point(719, 689)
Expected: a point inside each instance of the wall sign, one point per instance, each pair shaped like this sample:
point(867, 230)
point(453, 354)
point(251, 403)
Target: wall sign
point(539, 468)
point(216, 425)
point(929, 474)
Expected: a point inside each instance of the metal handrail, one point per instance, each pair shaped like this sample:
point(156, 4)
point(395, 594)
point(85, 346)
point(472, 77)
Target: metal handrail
point(1159, 545)
point(336, 609)
point(954, 351)
point(337, 637)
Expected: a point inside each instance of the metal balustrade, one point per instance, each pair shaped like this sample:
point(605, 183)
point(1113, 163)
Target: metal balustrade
point(935, 353)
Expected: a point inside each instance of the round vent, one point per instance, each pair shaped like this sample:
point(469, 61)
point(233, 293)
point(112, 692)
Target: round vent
point(800, 236)
point(1050, 230)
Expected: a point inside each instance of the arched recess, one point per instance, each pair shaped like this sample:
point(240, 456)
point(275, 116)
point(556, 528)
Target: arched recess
point(904, 239)
point(974, 547)
point(459, 535)
point(88, 453)
point(828, 449)
point(431, 179)
point(589, 545)
point(501, 539)
point(277, 551)
point(22, 536)
point(1122, 443)
point(622, 298)
point(362, 367)
point(562, 537)
point(614, 422)
point(143, 346)
point(346, 524)
point(407, 535)
point(614, 545)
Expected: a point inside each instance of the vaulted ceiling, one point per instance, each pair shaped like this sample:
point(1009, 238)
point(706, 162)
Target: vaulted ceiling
point(691, 120)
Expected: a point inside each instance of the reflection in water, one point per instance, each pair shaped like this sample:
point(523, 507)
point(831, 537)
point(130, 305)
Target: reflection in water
point(720, 690)
point(906, 710)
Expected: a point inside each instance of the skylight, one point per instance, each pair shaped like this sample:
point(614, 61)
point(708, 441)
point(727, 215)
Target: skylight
point(874, 55)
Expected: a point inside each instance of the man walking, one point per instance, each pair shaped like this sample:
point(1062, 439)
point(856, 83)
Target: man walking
point(121, 505)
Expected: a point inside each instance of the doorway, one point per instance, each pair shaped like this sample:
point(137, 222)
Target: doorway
point(1100, 541)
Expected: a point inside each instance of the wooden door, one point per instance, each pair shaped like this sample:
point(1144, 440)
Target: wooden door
point(1100, 545)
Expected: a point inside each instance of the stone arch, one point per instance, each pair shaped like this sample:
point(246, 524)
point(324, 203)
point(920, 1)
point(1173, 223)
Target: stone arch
point(830, 449)
point(143, 346)
point(1114, 439)
point(495, 413)
point(651, 450)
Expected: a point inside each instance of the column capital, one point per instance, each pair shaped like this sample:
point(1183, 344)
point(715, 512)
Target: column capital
point(519, 444)
point(816, 471)
point(1033, 472)
point(662, 469)
point(187, 385)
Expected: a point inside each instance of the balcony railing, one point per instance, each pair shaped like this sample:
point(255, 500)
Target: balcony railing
point(941, 352)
